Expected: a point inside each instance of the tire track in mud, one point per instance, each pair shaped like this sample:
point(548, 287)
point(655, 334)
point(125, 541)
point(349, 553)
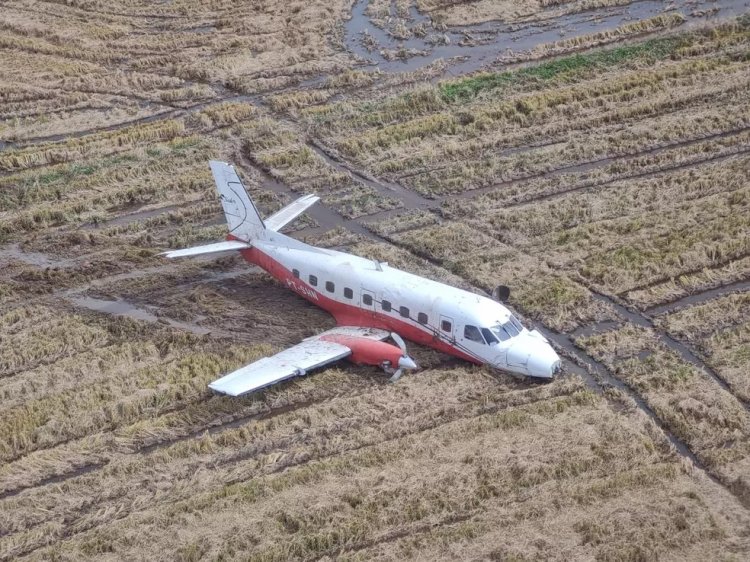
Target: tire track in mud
point(399, 534)
point(366, 384)
point(676, 305)
point(211, 427)
point(603, 377)
point(666, 279)
point(54, 479)
point(410, 199)
point(684, 351)
point(589, 366)
point(586, 166)
point(160, 116)
point(76, 522)
point(533, 141)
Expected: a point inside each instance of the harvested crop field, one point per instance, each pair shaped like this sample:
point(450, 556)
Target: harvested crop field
point(594, 156)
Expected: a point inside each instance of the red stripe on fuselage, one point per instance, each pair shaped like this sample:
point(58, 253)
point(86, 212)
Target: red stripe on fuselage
point(350, 315)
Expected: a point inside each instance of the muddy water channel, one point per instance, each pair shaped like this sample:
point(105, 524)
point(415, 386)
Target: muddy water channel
point(416, 39)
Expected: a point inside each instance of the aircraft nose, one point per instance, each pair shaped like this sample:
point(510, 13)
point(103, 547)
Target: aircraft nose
point(544, 363)
point(533, 353)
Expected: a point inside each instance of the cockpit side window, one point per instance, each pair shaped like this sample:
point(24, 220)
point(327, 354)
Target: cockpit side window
point(511, 329)
point(516, 323)
point(491, 339)
point(500, 332)
point(472, 333)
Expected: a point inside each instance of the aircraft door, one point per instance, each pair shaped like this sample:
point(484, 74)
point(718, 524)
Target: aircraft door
point(446, 329)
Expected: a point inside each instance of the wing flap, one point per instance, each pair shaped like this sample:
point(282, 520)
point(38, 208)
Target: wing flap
point(356, 331)
point(228, 245)
point(292, 362)
point(286, 215)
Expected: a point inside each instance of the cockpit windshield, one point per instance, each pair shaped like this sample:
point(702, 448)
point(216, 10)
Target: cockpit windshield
point(504, 332)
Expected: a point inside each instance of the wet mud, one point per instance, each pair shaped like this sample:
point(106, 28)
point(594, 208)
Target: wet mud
point(682, 350)
point(478, 47)
point(123, 308)
point(598, 377)
point(57, 479)
point(482, 45)
point(699, 298)
point(586, 166)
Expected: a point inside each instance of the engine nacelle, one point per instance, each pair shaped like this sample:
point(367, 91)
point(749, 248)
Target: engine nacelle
point(366, 351)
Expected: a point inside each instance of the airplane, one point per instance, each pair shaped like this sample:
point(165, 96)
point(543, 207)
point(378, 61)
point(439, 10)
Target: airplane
point(370, 301)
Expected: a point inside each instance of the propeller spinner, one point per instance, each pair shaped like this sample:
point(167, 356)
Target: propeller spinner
point(404, 362)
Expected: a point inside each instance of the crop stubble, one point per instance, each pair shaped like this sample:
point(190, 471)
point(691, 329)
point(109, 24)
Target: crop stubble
point(621, 174)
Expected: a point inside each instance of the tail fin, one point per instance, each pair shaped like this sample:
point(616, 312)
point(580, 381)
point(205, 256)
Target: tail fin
point(242, 216)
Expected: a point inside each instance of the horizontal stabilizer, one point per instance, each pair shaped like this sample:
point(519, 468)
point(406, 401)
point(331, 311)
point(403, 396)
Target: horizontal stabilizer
point(226, 246)
point(286, 215)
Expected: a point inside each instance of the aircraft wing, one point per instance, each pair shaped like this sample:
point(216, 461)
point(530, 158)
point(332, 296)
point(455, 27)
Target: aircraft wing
point(292, 362)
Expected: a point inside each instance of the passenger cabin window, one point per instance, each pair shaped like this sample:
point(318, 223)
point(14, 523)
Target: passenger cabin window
point(446, 326)
point(403, 311)
point(313, 281)
point(330, 286)
point(472, 333)
point(295, 272)
point(348, 293)
point(386, 305)
point(488, 336)
point(422, 318)
point(367, 299)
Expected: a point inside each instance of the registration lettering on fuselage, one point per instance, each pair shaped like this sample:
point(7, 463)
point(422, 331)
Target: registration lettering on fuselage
point(301, 289)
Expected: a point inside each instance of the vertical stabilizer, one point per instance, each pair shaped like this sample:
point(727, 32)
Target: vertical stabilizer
point(242, 217)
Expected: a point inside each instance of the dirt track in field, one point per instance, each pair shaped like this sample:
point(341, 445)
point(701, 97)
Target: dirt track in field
point(108, 429)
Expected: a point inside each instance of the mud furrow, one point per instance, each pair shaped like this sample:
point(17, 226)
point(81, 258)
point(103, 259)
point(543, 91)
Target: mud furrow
point(73, 520)
point(411, 199)
point(600, 162)
point(213, 428)
point(399, 534)
point(113, 426)
point(56, 479)
point(586, 125)
point(661, 280)
point(699, 297)
point(602, 376)
point(326, 217)
point(508, 151)
point(684, 351)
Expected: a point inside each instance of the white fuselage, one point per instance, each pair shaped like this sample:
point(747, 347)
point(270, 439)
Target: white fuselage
point(362, 292)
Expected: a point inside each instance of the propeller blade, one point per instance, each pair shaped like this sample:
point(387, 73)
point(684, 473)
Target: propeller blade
point(399, 342)
point(396, 375)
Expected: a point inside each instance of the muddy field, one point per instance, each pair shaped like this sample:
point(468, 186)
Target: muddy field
point(594, 155)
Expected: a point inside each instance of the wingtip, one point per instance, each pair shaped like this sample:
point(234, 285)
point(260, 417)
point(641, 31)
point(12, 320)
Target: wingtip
point(221, 391)
point(214, 163)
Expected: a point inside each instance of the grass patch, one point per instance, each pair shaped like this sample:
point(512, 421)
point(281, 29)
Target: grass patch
point(649, 52)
